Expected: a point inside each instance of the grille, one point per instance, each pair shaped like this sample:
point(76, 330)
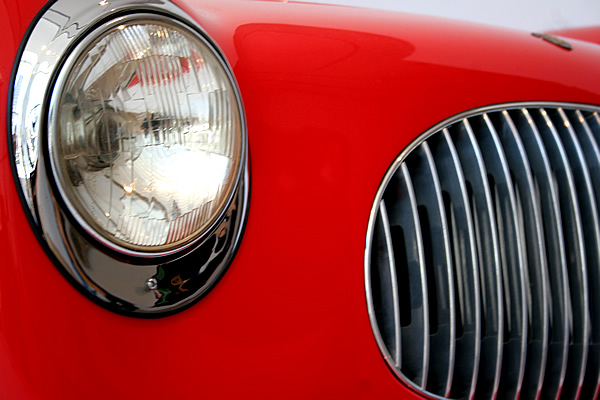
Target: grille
point(482, 256)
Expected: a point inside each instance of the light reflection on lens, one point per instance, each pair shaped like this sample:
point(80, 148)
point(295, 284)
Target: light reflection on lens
point(148, 141)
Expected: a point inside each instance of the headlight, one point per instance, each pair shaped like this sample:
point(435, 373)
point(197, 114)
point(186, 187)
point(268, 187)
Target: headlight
point(130, 151)
point(146, 136)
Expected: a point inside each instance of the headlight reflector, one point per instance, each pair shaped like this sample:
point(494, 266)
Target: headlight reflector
point(147, 138)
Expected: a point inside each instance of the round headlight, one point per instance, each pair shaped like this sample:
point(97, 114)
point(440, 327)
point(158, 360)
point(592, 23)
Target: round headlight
point(145, 137)
point(130, 150)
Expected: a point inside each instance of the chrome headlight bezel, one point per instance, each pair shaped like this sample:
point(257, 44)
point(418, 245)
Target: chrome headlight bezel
point(126, 280)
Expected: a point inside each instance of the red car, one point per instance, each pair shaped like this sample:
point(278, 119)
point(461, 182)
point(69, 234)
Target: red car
point(260, 199)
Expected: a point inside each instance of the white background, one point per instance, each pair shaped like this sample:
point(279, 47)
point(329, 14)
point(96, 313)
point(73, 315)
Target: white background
point(531, 15)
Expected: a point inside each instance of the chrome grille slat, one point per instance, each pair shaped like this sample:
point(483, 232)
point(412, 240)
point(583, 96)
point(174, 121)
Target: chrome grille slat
point(531, 216)
point(486, 235)
point(415, 333)
point(589, 212)
point(491, 298)
point(501, 204)
point(511, 251)
point(593, 121)
point(556, 364)
point(576, 256)
point(439, 266)
point(390, 299)
point(489, 288)
point(463, 247)
point(432, 216)
point(590, 148)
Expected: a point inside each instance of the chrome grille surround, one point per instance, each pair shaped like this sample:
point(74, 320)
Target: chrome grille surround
point(482, 261)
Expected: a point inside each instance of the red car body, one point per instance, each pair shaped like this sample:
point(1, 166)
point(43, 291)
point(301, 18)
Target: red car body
point(331, 96)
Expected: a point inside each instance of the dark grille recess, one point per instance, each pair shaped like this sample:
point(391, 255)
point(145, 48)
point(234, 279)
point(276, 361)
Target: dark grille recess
point(483, 256)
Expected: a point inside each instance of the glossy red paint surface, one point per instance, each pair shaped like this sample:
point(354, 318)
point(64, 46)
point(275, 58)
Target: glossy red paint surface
point(332, 95)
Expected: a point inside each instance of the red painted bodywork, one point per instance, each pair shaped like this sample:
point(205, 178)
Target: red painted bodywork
point(332, 95)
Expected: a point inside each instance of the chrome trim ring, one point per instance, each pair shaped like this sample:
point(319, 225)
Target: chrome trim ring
point(130, 282)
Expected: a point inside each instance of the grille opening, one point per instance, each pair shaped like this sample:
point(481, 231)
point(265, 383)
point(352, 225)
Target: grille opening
point(536, 316)
point(549, 253)
point(521, 227)
point(404, 288)
point(480, 257)
point(455, 249)
point(430, 269)
point(508, 307)
point(376, 290)
point(547, 334)
point(383, 302)
point(386, 313)
point(461, 299)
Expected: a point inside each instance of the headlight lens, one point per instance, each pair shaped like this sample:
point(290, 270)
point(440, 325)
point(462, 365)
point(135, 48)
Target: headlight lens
point(147, 139)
